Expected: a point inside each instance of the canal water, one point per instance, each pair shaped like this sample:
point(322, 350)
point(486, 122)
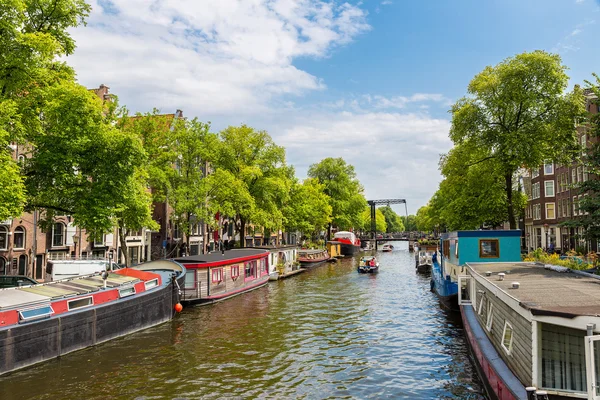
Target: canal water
point(328, 333)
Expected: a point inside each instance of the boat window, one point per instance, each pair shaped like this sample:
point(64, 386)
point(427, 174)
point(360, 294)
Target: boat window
point(446, 248)
point(490, 317)
point(480, 309)
point(563, 364)
point(35, 313)
point(128, 291)
point(235, 271)
point(190, 279)
point(263, 266)
point(507, 337)
point(250, 270)
point(80, 303)
point(488, 248)
point(151, 283)
point(217, 275)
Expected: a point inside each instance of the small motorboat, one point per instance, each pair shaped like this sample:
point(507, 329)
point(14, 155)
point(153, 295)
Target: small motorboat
point(424, 261)
point(368, 264)
point(387, 247)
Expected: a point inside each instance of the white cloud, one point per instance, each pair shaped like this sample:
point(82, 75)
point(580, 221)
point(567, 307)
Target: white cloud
point(395, 155)
point(570, 42)
point(234, 56)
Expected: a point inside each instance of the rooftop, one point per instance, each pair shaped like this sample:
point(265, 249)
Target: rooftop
point(218, 256)
point(546, 291)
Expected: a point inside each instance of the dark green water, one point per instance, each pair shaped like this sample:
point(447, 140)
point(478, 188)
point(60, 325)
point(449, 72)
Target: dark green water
point(327, 333)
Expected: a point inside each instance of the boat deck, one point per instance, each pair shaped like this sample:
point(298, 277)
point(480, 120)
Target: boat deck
point(544, 290)
point(25, 295)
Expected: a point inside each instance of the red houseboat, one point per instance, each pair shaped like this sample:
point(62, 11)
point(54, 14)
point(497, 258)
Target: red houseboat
point(349, 243)
point(219, 275)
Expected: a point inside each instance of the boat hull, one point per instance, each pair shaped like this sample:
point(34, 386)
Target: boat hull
point(30, 343)
point(500, 383)
point(423, 268)
point(349, 249)
point(368, 270)
point(444, 287)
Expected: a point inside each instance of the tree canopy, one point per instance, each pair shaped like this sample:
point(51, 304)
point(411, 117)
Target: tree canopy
point(393, 221)
point(344, 190)
point(307, 210)
point(518, 115)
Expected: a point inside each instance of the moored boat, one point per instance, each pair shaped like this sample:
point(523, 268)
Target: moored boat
point(334, 249)
point(368, 264)
point(387, 247)
point(310, 257)
point(217, 276)
point(425, 257)
point(533, 327)
point(44, 321)
point(458, 248)
point(349, 243)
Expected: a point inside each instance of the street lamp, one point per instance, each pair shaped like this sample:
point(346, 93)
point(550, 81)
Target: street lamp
point(75, 240)
point(546, 226)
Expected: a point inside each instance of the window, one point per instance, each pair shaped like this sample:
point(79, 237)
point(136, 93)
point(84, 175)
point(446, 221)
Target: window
point(550, 211)
point(125, 292)
point(537, 211)
point(19, 238)
point(99, 241)
point(507, 337)
point(151, 283)
point(217, 275)
point(567, 206)
point(585, 174)
point(250, 270)
point(535, 173)
point(235, 272)
point(263, 266)
point(58, 235)
point(560, 209)
point(548, 169)
point(563, 364)
point(3, 238)
point(573, 175)
point(490, 317)
point(3, 264)
point(80, 303)
point(579, 174)
point(35, 313)
point(549, 188)
point(480, 309)
point(535, 191)
point(446, 248)
point(190, 279)
point(583, 144)
point(176, 232)
point(575, 206)
point(488, 248)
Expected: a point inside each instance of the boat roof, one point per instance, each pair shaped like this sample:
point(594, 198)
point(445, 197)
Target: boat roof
point(311, 251)
point(218, 256)
point(482, 233)
point(546, 289)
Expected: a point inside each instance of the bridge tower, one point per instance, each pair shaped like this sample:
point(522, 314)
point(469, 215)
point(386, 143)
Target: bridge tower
point(386, 202)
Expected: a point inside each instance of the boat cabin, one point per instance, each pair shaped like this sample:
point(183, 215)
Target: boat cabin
point(282, 258)
point(543, 322)
point(461, 247)
point(216, 276)
point(334, 248)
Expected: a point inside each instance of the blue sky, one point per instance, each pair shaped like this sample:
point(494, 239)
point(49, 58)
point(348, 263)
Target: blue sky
point(369, 81)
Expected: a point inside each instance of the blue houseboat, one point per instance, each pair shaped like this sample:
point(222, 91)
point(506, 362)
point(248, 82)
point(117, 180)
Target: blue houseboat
point(458, 248)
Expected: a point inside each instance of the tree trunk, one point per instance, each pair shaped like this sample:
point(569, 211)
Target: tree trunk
point(123, 246)
point(242, 233)
point(509, 200)
point(329, 232)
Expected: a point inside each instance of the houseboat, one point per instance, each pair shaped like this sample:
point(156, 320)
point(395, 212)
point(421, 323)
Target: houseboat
point(368, 264)
point(43, 321)
point(458, 248)
point(349, 243)
point(282, 261)
point(334, 249)
point(310, 257)
point(533, 327)
point(220, 275)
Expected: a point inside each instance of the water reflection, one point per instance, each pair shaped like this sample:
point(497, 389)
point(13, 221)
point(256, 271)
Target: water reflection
point(328, 333)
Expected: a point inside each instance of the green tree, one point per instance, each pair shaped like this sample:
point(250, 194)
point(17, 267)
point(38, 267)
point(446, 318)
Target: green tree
point(392, 220)
point(518, 115)
point(380, 221)
point(34, 35)
point(256, 166)
point(409, 222)
point(344, 190)
point(82, 164)
point(308, 209)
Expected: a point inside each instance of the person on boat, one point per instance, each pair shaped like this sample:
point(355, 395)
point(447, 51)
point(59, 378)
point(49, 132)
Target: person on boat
point(373, 262)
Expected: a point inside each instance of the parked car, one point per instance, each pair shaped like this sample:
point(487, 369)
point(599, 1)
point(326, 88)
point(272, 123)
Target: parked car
point(8, 281)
